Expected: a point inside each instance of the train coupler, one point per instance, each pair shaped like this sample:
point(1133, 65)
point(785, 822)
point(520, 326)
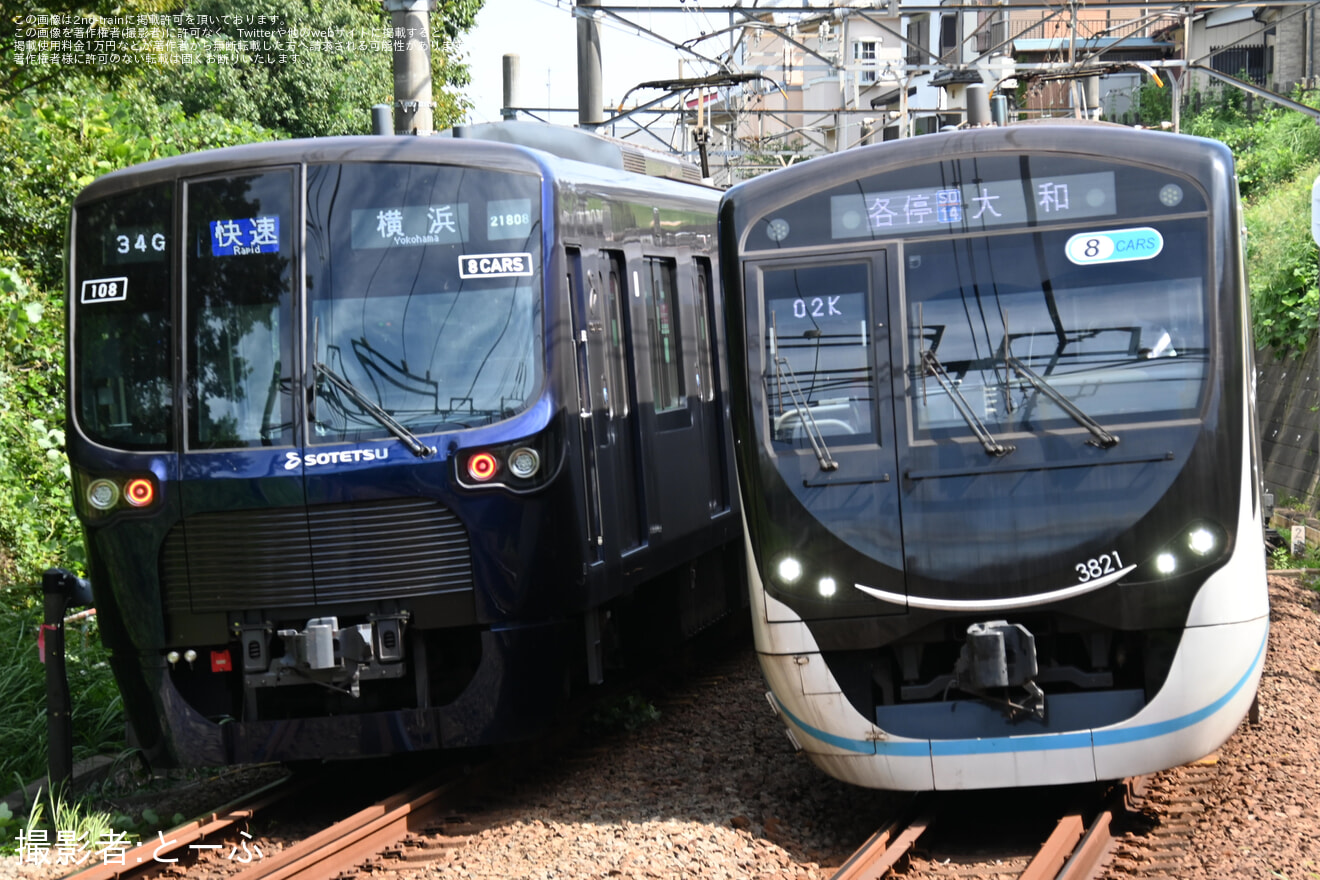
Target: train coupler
point(324, 653)
point(999, 654)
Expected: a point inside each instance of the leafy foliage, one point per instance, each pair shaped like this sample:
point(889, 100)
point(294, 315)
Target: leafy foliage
point(318, 83)
point(1276, 152)
point(1273, 145)
point(37, 527)
point(18, 16)
point(1282, 258)
point(55, 144)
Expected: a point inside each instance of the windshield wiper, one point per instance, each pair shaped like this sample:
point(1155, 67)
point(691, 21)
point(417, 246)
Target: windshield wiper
point(1099, 436)
point(808, 421)
point(408, 438)
point(931, 366)
point(788, 379)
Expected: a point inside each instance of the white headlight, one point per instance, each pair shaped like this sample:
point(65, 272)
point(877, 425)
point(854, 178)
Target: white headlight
point(1201, 541)
point(790, 570)
point(827, 586)
point(1166, 563)
point(102, 494)
point(524, 462)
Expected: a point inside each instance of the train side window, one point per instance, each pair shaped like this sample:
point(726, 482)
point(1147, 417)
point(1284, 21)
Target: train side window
point(663, 322)
point(706, 377)
point(615, 339)
point(583, 362)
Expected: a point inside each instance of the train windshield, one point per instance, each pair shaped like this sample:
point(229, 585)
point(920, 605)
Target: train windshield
point(1012, 294)
point(123, 391)
point(422, 296)
point(1007, 331)
point(418, 310)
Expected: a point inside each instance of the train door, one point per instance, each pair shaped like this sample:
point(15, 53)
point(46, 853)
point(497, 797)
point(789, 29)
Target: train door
point(593, 395)
point(709, 413)
point(825, 403)
point(675, 474)
point(242, 487)
point(623, 433)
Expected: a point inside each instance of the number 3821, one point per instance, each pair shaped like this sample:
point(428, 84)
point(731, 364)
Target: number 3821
point(1105, 563)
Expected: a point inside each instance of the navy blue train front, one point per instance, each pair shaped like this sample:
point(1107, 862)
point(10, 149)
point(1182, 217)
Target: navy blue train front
point(993, 405)
point(385, 444)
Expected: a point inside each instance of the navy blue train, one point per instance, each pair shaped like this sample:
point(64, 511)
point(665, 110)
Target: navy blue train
point(996, 444)
point(387, 444)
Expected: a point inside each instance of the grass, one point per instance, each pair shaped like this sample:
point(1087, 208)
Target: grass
point(97, 711)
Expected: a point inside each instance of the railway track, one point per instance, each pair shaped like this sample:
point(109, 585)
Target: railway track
point(219, 843)
point(1077, 848)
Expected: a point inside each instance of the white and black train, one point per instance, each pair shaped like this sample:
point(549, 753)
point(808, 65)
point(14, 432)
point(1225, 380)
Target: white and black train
point(996, 446)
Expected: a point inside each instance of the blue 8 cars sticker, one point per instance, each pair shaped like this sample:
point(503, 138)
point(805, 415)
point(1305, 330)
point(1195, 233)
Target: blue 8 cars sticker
point(102, 290)
point(494, 265)
point(1114, 246)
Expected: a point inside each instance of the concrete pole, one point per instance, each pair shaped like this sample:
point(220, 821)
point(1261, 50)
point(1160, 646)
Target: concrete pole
point(511, 73)
point(591, 91)
point(414, 111)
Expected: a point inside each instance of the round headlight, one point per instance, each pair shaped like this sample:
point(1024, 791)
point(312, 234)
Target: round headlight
point(1166, 563)
point(1201, 541)
point(102, 494)
point(482, 466)
point(140, 492)
point(524, 462)
point(789, 570)
point(827, 586)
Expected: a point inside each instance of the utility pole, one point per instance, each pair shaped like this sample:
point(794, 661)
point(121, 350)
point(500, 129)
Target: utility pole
point(591, 92)
point(512, 63)
point(414, 111)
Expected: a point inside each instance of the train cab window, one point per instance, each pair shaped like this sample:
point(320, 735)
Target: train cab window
point(818, 354)
point(238, 272)
point(663, 322)
point(1123, 342)
point(122, 351)
point(423, 297)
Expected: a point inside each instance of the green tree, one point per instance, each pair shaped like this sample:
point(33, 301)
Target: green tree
point(326, 64)
point(21, 21)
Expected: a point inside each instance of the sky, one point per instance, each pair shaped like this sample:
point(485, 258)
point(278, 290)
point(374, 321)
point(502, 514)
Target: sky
point(543, 33)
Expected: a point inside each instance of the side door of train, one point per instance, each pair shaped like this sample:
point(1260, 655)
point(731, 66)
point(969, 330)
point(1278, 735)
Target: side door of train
point(712, 427)
point(615, 505)
point(677, 477)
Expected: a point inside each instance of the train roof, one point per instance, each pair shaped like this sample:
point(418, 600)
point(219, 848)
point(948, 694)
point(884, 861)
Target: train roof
point(515, 147)
point(1198, 156)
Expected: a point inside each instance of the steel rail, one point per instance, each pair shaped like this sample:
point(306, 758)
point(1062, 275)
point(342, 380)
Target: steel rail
point(1089, 856)
point(147, 858)
point(351, 841)
point(884, 848)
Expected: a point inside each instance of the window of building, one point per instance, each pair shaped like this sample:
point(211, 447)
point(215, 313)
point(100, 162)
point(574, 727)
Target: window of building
point(865, 56)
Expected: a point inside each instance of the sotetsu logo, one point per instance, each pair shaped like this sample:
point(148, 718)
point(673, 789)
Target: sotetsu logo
point(292, 460)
